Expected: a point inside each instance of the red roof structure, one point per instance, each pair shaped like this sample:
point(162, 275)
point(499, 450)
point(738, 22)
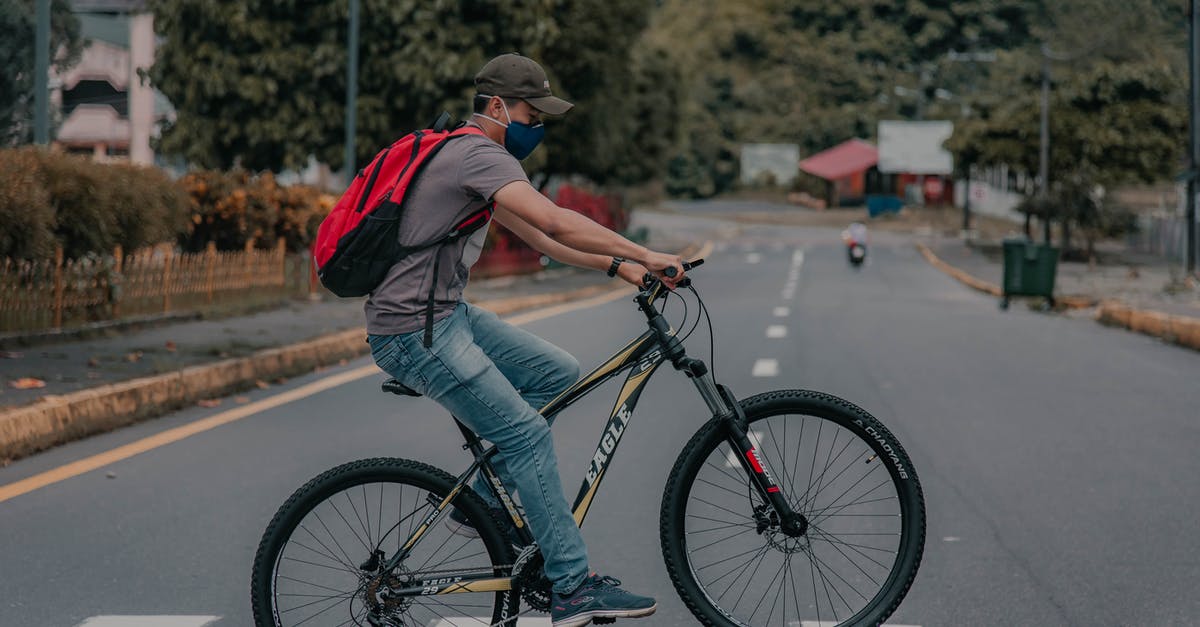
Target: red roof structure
point(843, 160)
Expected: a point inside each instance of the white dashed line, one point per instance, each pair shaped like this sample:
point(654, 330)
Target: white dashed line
point(765, 368)
point(776, 331)
point(149, 621)
point(753, 258)
point(781, 312)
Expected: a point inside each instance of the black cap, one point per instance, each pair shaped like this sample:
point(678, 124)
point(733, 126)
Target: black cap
point(514, 76)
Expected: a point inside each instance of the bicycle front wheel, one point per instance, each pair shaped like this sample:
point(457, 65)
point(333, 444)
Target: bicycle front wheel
point(320, 561)
point(838, 466)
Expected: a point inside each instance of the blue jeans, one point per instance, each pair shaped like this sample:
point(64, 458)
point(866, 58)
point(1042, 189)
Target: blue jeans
point(493, 377)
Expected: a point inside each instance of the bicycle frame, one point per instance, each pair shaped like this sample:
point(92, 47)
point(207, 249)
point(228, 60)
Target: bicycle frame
point(641, 358)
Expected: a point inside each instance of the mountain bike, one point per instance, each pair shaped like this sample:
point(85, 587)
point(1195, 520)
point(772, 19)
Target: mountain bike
point(787, 506)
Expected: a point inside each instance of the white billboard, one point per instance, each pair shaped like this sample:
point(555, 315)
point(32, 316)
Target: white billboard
point(781, 161)
point(915, 147)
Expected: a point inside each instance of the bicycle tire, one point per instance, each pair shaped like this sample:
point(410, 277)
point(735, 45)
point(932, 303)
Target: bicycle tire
point(825, 410)
point(319, 493)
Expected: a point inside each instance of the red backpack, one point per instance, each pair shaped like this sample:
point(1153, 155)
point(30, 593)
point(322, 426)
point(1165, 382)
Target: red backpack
point(358, 242)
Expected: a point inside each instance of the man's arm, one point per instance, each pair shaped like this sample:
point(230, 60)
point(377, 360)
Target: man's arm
point(576, 231)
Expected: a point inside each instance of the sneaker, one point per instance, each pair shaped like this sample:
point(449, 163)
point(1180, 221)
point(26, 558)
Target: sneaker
point(458, 524)
point(597, 597)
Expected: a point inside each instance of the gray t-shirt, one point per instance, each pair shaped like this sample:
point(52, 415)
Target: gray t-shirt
point(459, 180)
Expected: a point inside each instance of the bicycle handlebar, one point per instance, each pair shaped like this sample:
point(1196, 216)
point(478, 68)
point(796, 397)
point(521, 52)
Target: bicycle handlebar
point(648, 279)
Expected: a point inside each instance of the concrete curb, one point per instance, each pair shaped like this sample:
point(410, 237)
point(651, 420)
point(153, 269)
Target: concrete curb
point(54, 420)
point(1181, 330)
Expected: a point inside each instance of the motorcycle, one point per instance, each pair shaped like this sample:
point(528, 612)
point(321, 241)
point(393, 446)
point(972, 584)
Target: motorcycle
point(855, 238)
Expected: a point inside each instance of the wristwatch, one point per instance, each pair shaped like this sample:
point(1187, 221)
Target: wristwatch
point(612, 270)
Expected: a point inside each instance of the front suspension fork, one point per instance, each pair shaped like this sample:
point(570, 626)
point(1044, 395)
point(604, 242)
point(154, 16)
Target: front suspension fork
point(737, 426)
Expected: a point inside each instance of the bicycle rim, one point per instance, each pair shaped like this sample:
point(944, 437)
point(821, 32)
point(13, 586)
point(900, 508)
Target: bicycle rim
point(322, 540)
point(857, 491)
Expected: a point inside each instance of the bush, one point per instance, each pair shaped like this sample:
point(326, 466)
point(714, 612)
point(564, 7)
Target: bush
point(233, 209)
point(87, 207)
point(26, 216)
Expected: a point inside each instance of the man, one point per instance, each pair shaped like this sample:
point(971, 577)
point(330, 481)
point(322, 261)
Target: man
point(491, 375)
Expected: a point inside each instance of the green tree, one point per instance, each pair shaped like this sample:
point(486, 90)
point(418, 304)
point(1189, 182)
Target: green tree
point(1117, 112)
point(18, 22)
point(262, 83)
point(818, 73)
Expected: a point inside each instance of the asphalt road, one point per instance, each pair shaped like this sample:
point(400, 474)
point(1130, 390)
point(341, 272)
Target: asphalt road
point(1057, 456)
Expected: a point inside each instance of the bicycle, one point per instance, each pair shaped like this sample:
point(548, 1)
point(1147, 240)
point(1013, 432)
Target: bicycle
point(848, 509)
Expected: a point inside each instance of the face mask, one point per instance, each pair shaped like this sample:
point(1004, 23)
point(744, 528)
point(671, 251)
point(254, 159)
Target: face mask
point(519, 138)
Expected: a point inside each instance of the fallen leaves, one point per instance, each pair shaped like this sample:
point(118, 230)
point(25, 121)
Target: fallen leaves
point(27, 383)
point(133, 357)
point(209, 403)
point(171, 347)
point(262, 385)
point(11, 355)
point(241, 400)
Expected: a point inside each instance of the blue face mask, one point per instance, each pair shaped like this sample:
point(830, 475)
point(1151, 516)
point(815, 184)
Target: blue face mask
point(519, 138)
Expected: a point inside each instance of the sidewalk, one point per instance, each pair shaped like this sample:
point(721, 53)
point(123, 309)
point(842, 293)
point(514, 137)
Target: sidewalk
point(1122, 284)
point(62, 385)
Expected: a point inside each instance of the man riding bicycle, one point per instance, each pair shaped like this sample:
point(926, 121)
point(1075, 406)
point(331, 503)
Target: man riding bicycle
point(489, 374)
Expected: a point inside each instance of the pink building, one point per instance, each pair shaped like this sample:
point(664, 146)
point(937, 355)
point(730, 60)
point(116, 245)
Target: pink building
point(106, 110)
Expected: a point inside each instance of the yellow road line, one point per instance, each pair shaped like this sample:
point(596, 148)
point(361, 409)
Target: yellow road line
point(88, 464)
point(99, 460)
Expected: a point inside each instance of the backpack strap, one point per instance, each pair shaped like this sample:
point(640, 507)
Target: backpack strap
point(466, 228)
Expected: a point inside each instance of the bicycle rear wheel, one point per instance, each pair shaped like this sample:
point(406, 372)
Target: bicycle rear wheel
point(839, 467)
point(317, 563)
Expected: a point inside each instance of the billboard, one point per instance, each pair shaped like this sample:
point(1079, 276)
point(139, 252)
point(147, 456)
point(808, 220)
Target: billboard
point(915, 147)
point(775, 162)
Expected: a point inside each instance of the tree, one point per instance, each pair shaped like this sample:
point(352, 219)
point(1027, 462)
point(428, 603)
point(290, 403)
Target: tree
point(818, 73)
point(18, 22)
point(1116, 114)
point(262, 83)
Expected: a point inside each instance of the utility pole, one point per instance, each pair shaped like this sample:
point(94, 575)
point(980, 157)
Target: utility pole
point(351, 89)
point(41, 75)
point(1194, 135)
point(1044, 152)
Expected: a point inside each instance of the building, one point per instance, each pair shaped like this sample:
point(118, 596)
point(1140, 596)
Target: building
point(107, 110)
point(846, 168)
point(916, 166)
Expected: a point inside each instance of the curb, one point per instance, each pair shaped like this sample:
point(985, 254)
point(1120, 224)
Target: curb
point(54, 420)
point(1181, 330)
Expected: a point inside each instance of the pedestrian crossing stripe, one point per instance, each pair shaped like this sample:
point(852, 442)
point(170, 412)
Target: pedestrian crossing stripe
point(149, 621)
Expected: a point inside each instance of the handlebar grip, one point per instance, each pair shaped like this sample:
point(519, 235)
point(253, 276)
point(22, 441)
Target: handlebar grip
point(670, 271)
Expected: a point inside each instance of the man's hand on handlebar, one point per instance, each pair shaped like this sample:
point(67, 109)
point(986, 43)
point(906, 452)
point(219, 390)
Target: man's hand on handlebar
point(658, 263)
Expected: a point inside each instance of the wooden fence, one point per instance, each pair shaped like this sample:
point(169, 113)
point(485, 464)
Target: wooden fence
point(58, 293)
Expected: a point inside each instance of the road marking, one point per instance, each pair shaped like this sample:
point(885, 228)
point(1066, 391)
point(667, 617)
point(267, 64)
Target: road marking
point(765, 368)
point(830, 623)
point(149, 621)
point(87, 464)
point(781, 312)
point(753, 258)
point(776, 331)
point(169, 436)
point(798, 258)
point(453, 621)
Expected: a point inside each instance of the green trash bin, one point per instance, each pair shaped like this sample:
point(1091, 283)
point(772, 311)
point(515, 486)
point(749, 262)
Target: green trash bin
point(1029, 270)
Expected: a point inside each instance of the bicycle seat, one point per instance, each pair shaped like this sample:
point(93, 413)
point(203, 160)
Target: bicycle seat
point(396, 387)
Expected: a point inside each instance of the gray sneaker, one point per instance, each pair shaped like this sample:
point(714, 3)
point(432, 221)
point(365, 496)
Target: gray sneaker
point(598, 597)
